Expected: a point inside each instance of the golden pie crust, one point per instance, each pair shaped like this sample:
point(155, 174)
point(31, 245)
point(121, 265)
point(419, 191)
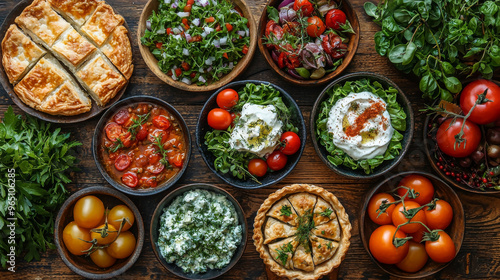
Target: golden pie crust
point(303, 263)
point(77, 11)
point(101, 24)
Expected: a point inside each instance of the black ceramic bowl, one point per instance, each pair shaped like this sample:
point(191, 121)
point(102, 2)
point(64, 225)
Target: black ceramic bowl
point(270, 178)
point(99, 134)
point(172, 267)
point(386, 165)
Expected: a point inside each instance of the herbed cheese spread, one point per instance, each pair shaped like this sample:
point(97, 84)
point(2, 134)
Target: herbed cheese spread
point(257, 131)
point(361, 125)
point(199, 231)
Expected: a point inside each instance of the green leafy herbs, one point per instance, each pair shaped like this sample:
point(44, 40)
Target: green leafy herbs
point(306, 224)
point(286, 211)
point(42, 159)
point(336, 155)
point(162, 151)
point(439, 41)
point(326, 213)
point(283, 252)
point(137, 124)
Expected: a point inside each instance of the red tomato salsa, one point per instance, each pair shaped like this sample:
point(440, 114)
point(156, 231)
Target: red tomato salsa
point(143, 146)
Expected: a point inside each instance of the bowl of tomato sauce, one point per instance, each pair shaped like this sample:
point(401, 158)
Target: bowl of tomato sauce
point(141, 145)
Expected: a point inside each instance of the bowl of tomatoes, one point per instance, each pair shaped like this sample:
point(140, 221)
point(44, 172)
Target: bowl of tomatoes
point(419, 213)
point(141, 145)
point(99, 232)
point(308, 43)
point(251, 134)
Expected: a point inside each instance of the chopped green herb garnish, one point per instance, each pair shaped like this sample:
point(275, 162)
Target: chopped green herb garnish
point(326, 213)
point(283, 252)
point(286, 211)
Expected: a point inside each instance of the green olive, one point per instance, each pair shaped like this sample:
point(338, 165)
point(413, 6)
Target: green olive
point(318, 73)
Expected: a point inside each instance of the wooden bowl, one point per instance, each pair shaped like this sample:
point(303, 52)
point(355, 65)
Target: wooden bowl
point(351, 47)
point(270, 178)
point(9, 88)
point(152, 62)
point(99, 135)
point(84, 265)
point(172, 267)
point(456, 229)
point(386, 166)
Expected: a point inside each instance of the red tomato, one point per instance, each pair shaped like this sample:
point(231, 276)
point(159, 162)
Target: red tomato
point(442, 250)
point(154, 158)
point(440, 217)
point(486, 112)
point(332, 44)
point(177, 159)
point(126, 139)
point(382, 247)
point(415, 259)
point(418, 235)
point(233, 118)
point(315, 26)
point(156, 168)
point(158, 133)
point(122, 116)
point(148, 182)
point(159, 45)
point(373, 206)
point(161, 122)
point(244, 50)
point(334, 18)
point(445, 137)
point(423, 188)
point(227, 98)
point(142, 133)
point(273, 27)
point(113, 131)
point(305, 6)
point(257, 167)
point(276, 160)
point(219, 119)
point(130, 179)
point(291, 141)
point(399, 218)
point(281, 60)
point(122, 162)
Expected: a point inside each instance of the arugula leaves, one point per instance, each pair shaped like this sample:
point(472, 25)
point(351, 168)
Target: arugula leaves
point(42, 159)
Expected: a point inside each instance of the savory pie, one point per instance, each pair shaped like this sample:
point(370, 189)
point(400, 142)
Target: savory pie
point(302, 232)
point(87, 36)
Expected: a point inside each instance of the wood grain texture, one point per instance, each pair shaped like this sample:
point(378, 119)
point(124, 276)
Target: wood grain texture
point(479, 257)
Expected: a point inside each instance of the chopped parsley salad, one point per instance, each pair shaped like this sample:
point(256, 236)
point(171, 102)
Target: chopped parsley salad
point(197, 41)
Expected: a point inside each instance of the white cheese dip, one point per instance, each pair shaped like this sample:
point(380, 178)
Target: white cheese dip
point(361, 125)
point(257, 131)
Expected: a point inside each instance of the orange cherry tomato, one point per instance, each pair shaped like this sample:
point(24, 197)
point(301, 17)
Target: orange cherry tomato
point(227, 98)
point(423, 188)
point(102, 259)
point(123, 246)
point(373, 206)
point(399, 218)
point(442, 250)
point(73, 236)
point(440, 217)
point(382, 247)
point(257, 167)
point(118, 213)
point(219, 119)
point(315, 27)
point(88, 211)
point(111, 235)
point(415, 259)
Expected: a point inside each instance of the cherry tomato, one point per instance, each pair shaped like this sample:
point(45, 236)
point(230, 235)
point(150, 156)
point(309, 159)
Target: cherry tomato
point(334, 18)
point(399, 218)
point(227, 98)
point(126, 139)
point(130, 179)
point(422, 187)
point(332, 44)
point(102, 259)
point(161, 122)
point(281, 60)
point(156, 169)
point(148, 182)
point(382, 247)
point(154, 158)
point(257, 167)
point(315, 26)
point(122, 116)
point(142, 133)
point(118, 213)
point(440, 217)
point(219, 119)
point(276, 160)
point(111, 235)
point(274, 28)
point(73, 238)
point(292, 61)
point(88, 211)
point(244, 50)
point(113, 131)
point(373, 206)
point(445, 137)
point(159, 45)
point(123, 246)
point(122, 162)
point(486, 112)
point(418, 235)
point(176, 159)
point(158, 133)
point(442, 250)
point(305, 6)
point(233, 118)
point(415, 259)
point(291, 141)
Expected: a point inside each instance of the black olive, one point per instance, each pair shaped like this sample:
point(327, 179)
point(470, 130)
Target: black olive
point(494, 151)
point(493, 136)
point(477, 156)
point(465, 162)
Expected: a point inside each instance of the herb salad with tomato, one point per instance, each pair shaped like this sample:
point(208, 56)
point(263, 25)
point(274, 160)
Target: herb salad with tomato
point(143, 146)
point(197, 41)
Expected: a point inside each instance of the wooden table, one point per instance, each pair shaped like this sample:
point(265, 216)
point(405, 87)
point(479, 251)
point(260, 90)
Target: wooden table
point(479, 257)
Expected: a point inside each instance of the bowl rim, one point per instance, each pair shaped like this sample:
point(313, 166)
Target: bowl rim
point(410, 129)
point(374, 190)
point(181, 190)
point(100, 190)
point(355, 38)
point(301, 125)
point(100, 126)
point(242, 65)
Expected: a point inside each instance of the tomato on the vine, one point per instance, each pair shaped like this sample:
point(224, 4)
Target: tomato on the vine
point(257, 167)
point(291, 142)
point(423, 188)
point(445, 137)
point(442, 250)
point(373, 206)
point(382, 247)
point(88, 211)
point(276, 160)
point(335, 18)
point(123, 246)
point(315, 26)
point(73, 238)
point(415, 259)
point(398, 217)
point(418, 235)
point(219, 119)
point(102, 259)
point(118, 213)
point(112, 232)
point(305, 6)
point(486, 112)
point(439, 217)
point(227, 98)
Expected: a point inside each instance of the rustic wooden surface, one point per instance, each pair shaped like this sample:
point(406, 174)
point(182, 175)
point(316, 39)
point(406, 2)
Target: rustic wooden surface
point(479, 257)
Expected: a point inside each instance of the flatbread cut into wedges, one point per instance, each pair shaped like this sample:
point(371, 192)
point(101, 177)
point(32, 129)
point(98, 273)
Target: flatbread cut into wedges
point(117, 48)
point(281, 248)
point(72, 49)
point(101, 24)
point(75, 11)
point(280, 211)
point(330, 230)
point(323, 212)
point(42, 23)
point(302, 259)
point(67, 100)
point(275, 229)
point(19, 53)
point(322, 249)
point(303, 202)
